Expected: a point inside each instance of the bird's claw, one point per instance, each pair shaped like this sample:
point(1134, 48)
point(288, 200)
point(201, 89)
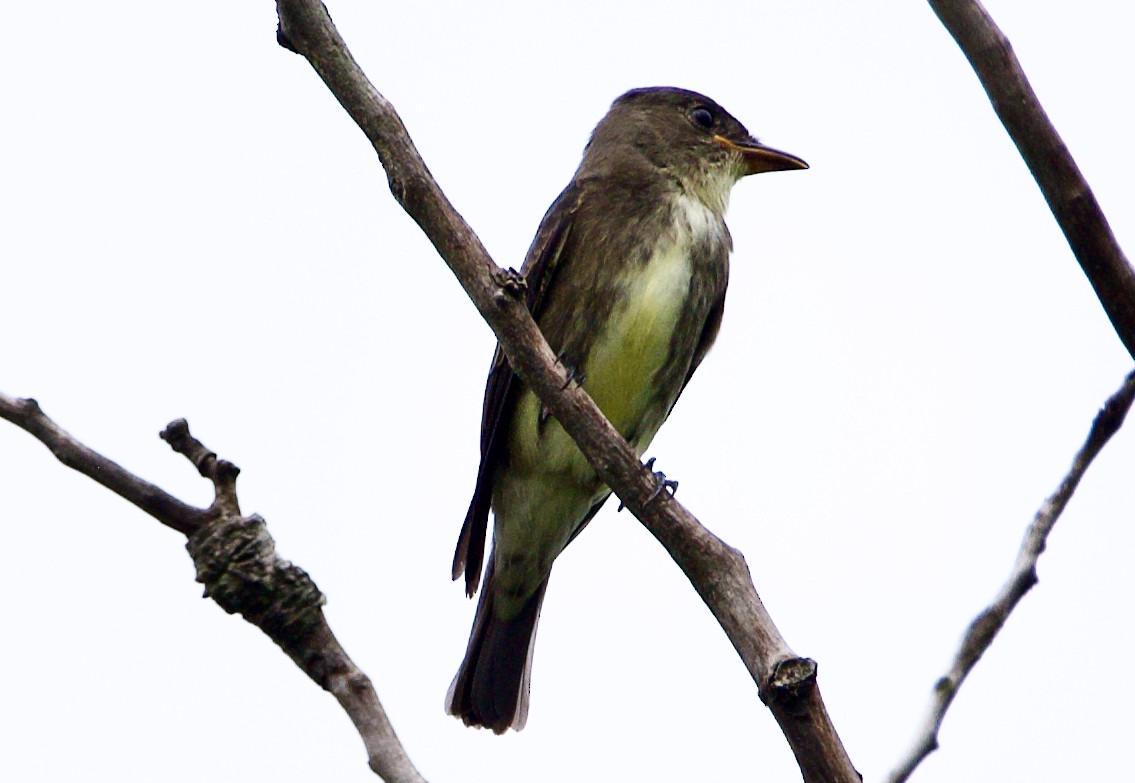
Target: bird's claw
point(661, 484)
point(573, 374)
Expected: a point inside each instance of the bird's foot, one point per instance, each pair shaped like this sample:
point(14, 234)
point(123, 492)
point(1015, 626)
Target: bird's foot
point(573, 373)
point(661, 484)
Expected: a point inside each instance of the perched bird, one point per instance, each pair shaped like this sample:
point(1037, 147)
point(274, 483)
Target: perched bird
point(626, 278)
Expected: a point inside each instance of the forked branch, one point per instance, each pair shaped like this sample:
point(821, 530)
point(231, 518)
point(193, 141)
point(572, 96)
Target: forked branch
point(236, 560)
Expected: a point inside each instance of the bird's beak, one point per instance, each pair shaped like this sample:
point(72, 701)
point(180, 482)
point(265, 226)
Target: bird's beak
point(758, 158)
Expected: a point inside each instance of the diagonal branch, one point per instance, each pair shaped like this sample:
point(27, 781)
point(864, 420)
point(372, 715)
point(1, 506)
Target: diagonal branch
point(1067, 193)
point(786, 683)
point(26, 414)
point(981, 632)
point(236, 560)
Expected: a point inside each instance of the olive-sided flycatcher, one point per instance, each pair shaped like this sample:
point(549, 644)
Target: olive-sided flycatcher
point(626, 278)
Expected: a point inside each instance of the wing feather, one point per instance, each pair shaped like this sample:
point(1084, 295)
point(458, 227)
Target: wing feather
point(502, 388)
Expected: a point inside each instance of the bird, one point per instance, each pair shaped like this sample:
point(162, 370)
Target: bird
point(626, 279)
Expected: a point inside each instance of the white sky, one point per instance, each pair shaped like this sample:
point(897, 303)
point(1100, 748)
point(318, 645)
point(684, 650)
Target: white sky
point(192, 226)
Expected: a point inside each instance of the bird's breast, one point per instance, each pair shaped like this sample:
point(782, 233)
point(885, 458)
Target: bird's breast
point(645, 322)
point(636, 342)
point(635, 370)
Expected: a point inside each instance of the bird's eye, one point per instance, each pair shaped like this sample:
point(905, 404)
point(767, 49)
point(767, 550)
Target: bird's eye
point(703, 117)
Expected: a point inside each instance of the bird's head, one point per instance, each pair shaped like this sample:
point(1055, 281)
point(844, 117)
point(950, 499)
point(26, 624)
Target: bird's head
point(687, 135)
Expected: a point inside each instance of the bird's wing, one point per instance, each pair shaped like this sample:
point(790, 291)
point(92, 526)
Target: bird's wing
point(705, 341)
point(502, 388)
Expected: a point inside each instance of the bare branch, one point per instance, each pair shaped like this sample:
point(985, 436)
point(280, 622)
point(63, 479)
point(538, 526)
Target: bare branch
point(988, 623)
point(1069, 197)
point(26, 414)
point(221, 472)
point(236, 560)
point(785, 682)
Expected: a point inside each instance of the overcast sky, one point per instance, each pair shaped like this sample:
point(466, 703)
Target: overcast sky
point(192, 226)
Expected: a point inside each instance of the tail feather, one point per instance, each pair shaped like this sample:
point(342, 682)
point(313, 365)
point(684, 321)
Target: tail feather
point(491, 686)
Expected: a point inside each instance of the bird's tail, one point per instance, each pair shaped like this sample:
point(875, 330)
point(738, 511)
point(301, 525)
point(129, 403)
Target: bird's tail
point(491, 687)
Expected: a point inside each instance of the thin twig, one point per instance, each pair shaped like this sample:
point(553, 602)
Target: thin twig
point(718, 572)
point(236, 560)
point(1064, 187)
point(162, 506)
point(989, 622)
